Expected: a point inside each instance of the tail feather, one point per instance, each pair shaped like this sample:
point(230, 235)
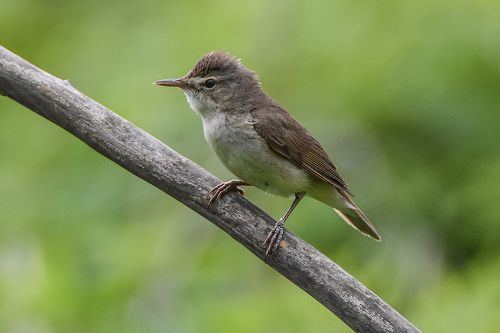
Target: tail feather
point(356, 218)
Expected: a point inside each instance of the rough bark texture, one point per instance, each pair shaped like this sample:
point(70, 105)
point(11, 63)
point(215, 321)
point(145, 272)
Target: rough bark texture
point(151, 160)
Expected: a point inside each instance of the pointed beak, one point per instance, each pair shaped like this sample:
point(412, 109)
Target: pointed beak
point(180, 83)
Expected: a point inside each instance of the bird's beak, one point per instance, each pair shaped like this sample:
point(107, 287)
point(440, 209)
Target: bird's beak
point(180, 83)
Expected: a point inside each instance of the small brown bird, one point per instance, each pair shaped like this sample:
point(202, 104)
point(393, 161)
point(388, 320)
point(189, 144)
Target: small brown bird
point(260, 142)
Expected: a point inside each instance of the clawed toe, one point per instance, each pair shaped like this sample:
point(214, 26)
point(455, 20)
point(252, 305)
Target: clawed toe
point(274, 237)
point(222, 189)
point(216, 188)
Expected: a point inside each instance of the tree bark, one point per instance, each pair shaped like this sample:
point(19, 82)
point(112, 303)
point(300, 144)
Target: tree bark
point(174, 174)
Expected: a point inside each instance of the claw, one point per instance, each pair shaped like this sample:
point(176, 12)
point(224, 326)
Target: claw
point(276, 234)
point(222, 189)
point(274, 237)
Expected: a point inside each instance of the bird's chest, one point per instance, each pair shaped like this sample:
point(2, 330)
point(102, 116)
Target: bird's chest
point(233, 139)
point(246, 154)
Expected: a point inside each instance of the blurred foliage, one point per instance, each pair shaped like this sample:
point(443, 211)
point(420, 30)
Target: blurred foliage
point(404, 95)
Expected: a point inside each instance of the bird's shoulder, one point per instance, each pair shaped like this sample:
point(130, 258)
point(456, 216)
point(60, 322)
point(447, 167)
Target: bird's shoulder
point(287, 137)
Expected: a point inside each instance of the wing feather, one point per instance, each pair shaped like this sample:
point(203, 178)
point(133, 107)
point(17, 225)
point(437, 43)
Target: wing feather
point(291, 140)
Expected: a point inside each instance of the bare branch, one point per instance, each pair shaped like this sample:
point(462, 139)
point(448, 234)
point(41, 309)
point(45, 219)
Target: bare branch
point(151, 160)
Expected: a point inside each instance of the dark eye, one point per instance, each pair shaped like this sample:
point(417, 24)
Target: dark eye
point(210, 83)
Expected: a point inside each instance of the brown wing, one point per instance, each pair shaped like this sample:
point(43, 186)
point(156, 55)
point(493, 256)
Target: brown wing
point(291, 140)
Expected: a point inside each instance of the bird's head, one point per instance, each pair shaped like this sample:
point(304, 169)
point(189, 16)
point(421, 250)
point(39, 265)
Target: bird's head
point(218, 82)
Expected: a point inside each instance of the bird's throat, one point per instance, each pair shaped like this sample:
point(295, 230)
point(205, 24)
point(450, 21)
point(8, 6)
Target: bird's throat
point(200, 103)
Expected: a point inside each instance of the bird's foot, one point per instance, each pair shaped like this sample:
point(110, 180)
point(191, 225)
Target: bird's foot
point(222, 189)
point(274, 237)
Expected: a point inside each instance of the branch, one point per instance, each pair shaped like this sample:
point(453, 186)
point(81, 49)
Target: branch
point(174, 174)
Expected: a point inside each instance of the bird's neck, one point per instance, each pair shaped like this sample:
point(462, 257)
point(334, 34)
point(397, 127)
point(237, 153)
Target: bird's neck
point(241, 104)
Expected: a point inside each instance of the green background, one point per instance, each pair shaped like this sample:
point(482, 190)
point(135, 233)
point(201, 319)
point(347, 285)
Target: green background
point(404, 95)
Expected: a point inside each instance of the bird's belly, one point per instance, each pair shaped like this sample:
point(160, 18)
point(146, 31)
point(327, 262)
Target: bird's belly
point(248, 156)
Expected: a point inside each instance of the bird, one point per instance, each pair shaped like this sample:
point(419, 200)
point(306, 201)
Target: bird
point(262, 144)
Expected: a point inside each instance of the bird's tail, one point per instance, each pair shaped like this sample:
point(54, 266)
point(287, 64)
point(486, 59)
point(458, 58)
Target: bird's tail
point(351, 213)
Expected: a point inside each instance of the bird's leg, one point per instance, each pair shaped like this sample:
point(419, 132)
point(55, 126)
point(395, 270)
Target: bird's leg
point(223, 188)
point(274, 237)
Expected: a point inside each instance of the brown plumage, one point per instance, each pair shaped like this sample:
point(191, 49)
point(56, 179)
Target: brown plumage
point(262, 143)
point(214, 62)
point(292, 141)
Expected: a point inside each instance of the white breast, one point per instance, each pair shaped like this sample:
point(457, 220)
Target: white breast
point(216, 128)
point(246, 154)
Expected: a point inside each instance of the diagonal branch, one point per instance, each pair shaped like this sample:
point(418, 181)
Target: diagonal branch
point(174, 174)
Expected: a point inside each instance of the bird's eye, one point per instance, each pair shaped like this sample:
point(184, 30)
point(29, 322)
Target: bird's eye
point(210, 83)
